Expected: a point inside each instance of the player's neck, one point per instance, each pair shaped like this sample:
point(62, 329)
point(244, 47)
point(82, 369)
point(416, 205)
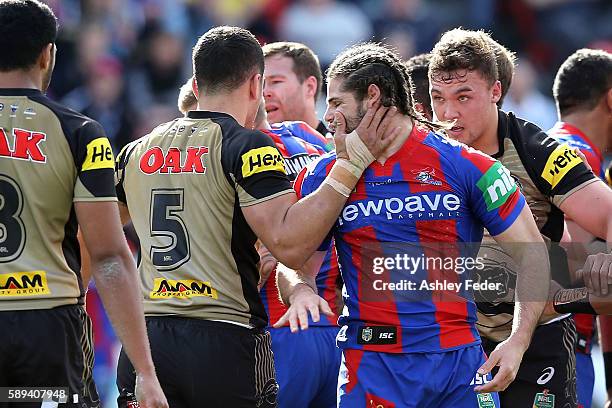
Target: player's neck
point(311, 118)
point(405, 123)
point(234, 105)
point(591, 124)
point(488, 143)
point(19, 79)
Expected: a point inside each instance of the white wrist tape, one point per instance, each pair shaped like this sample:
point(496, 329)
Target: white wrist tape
point(338, 186)
point(358, 152)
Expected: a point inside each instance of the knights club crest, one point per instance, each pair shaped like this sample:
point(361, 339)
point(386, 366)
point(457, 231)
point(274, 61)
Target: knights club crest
point(426, 176)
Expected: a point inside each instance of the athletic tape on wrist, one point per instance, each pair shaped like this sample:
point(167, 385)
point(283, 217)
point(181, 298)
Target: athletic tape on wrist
point(573, 301)
point(358, 152)
point(338, 186)
point(350, 167)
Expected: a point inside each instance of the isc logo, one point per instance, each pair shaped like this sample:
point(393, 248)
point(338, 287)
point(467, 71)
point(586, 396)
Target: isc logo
point(155, 160)
point(479, 379)
point(386, 335)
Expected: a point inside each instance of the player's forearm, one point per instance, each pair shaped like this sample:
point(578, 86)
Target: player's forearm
point(532, 288)
point(306, 223)
point(117, 284)
point(289, 281)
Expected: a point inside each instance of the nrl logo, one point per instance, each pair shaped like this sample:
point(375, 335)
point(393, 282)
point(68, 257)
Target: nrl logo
point(366, 334)
point(426, 176)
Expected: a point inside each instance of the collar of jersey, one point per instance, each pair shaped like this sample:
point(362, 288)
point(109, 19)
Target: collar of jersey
point(19, 91)
point(199, 114)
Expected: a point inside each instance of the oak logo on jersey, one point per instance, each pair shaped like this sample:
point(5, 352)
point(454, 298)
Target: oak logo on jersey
point(99, 155)
point(182, 289)
point(496, 186)
point(155, 160)
point(25, 146)
point(265, 158)
point(24, 284)
point(559, 163)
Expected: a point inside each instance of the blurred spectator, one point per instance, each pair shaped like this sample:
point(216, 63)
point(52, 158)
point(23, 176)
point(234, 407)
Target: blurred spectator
point(161, 73)
point(326, 26)
point(407, 24)
point(526, 100)
point(104, 99)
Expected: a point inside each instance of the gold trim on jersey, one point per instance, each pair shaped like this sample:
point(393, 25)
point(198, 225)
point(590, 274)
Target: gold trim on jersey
point(32, 283)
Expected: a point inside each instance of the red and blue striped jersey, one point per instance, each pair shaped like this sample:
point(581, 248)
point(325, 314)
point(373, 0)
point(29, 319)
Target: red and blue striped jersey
point(566, 133)
point(432, 191)
point(303, 131)
point(297, 153)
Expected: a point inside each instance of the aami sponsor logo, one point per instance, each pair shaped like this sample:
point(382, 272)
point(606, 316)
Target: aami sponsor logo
point(173, 160)
point(266, 158)
point(496, 186)
point(26, 145)
point(559, 163)
point(295, 163)
point(418, 206)
point(24, 284)
point(182, 289)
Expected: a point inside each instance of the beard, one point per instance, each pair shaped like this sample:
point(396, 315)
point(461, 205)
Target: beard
point(353, 121)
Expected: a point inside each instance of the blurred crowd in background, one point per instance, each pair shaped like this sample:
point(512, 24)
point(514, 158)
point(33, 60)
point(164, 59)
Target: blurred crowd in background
point(122, 62)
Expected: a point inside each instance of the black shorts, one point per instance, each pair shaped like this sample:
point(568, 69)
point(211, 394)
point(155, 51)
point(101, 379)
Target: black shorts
point(548, 369)
point(48, 348)
point(203, 363)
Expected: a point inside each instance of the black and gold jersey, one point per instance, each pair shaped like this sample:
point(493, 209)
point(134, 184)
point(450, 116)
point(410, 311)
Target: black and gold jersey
point(184, 185)
point(50, 157)
point(547, 173)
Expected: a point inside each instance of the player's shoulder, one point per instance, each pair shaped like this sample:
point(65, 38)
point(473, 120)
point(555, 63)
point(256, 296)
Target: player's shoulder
point(528, 137)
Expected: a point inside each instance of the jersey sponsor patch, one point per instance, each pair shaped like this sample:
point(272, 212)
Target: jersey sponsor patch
point(559, 163)
point(32, 283)
point(99, 155)
point(496, 186)
point(262, 159)
point(377, 335)
point(544, 400)
point(486, 400)
point(182, 289)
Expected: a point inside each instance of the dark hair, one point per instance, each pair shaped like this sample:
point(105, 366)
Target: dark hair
point(224, 57)
point(305, 61)
point(459, 50)
point(506, 62)
point(26, 28)
point(582, 80)
point(417, 68)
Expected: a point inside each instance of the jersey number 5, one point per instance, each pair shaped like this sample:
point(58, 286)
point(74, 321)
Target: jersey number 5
point(166, 204)
point(12, 229)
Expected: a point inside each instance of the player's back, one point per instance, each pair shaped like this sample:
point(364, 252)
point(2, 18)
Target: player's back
point(197, 251)
point(50, 157)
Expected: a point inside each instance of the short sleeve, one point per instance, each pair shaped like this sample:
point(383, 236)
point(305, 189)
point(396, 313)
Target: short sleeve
point(494, 197)
point(95, 164)
point(256, 167)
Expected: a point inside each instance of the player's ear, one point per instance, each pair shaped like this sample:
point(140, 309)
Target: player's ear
point(374, 95)
point(256, 86)
point(496, 92)
point(46, 56)
point(194, 87)
point(608, 98)
point(310, 86)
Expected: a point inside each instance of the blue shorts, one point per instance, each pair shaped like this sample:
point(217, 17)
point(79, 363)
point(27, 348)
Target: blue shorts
point(585, 379)
point(419, 380)
point(307, 365)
